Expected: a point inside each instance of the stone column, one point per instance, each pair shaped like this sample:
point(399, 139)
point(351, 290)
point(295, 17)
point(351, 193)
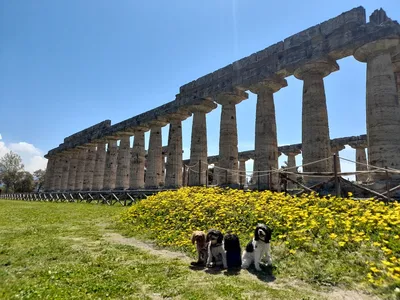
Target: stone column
point(123, 161)
point(242, 171)
point(335, 150)
point(315, 128)
point(154, 157)
point(58, 171)
point(163, 169)
point(266, 141)
point(361, 159)
point(73, 167)
point(228, 138)
point(89, 167)
point(198, 145)
point(396, 69)
point(174, 150)
point(110, 171)
point(49, 181)
point(99, 167)
point(136, 179)
point(383, 110)
point(65, 170)
point(291, 164)
point(215, 175)
point(80, 172)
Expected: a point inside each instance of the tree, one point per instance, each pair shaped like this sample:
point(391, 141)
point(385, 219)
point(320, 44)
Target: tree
point(10, 168)
point(25, 183)
point(39, 176)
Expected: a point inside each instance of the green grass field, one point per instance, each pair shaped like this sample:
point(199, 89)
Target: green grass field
point(74, 251)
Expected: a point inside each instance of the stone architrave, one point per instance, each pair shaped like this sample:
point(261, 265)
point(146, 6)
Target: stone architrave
point(110, 171)
point(136, 178)
point(383, 109)
point(242, 171)
point(65, 171)
point(361, 159)
point(315, 129)
point(49, 177)
point(335, 150)
point(123, 162)
point(99, 167)
point(174, 150)
point(266, 141)
point(291, 165)
point(73, 167)
point(89, 167)
point(154, 156)
point(198, 145)
point(80, 172)
point(228, 138)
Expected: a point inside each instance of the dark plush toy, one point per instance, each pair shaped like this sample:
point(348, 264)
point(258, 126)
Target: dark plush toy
point(216, 252)
point(233, 251)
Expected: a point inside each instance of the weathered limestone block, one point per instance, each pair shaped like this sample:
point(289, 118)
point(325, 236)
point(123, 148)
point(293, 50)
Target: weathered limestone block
point(228, 138)
point(154, 157)
point(110, 172)
point(65, 171)
point(383, 110)
point(123, 162)
point(315, 128)
point(174, 154)
point(99, 167)
point(89, 167)
point(80, 172)
point(361, 159)
point(49, 179)
point(136, 180)
point(73, 167)
point(266, 141)
point(198, 146)
point(291, 164)
point(242, 172)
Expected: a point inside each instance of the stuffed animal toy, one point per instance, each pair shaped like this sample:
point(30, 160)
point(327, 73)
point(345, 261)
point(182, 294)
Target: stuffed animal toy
point(259, 246)
point(199, 238)
point(233, 251)
point(216, 251)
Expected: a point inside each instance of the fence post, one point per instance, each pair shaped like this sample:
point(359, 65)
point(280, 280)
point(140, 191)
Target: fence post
point(337, 187)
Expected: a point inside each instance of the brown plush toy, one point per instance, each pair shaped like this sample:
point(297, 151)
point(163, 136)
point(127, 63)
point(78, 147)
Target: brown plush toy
point(199, 237)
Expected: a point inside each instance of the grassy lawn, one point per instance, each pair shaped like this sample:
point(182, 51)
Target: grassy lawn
point(61, 251)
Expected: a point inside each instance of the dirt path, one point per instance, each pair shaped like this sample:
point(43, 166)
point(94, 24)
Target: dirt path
point(333, 294)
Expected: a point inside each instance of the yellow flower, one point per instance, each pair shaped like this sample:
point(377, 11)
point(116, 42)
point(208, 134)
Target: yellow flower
point(341, 244)
point(333, 236)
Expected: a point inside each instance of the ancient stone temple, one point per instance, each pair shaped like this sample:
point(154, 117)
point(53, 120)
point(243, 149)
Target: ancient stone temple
point(101, 157)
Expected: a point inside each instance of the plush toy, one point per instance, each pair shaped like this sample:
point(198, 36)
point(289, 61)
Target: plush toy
point(199, 238)
point(216, 251)
point(233, 251)
point(259, 246)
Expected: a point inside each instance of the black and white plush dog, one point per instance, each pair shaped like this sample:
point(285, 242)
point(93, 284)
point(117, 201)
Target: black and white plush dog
point(259, 246)
point(233, 251)
point(216, 251)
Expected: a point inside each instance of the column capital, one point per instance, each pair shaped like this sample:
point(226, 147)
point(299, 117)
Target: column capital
point(273, 85)
point(122, 134)
point(158, 122)
point(376, 48)
point(202, 105)
point(322, 68)
point(181, 115)
point(337, 148)
point(234, 97)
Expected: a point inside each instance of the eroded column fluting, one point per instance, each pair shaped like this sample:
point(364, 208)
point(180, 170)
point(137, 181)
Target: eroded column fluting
point(198, 145)
point(58, 171)
point(136, 178)
point(154, 156)
point(65, 171)
point(266, 141)
point(174, 150)
point(110, 171)
point(89, 167)
point(383, 110)
point(315, 129)
point(80, 172)
point(396, 69)
point(73, 167)
point(361, 159)
point(49, 181)
point(228, 138)
point(123, 161)
point(99, 166)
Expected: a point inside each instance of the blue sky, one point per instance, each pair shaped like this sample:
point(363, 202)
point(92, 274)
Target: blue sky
point(66, 65)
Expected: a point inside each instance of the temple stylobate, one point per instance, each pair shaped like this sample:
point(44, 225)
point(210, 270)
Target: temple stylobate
point(101, 157)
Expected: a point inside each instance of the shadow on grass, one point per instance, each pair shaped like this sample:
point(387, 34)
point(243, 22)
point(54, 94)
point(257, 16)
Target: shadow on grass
point(266, 274)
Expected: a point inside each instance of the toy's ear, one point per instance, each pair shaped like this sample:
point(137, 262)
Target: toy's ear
point(268, 234)
point(256, 236)
point(220, 238)
point(207, 237)
point(193, 237)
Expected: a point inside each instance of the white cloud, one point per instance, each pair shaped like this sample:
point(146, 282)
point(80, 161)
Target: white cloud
point(32, 157)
